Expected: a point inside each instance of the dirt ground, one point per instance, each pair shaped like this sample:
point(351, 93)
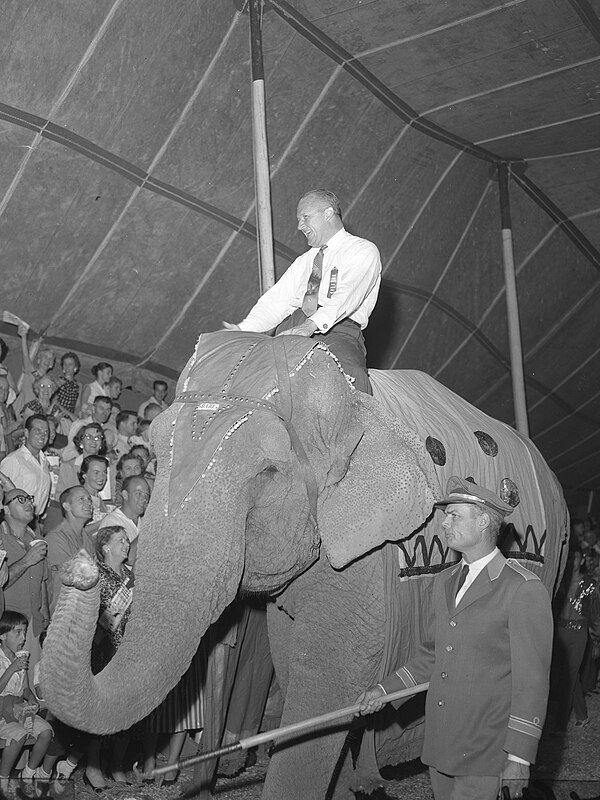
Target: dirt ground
point(565, 765)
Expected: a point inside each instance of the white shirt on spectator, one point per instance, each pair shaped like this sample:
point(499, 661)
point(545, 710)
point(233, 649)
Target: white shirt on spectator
point(29, 474)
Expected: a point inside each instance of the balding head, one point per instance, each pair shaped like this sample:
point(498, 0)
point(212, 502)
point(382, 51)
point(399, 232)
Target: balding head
point(319, 216)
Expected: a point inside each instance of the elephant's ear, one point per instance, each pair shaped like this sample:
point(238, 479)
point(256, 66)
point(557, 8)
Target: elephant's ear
point(388, 490)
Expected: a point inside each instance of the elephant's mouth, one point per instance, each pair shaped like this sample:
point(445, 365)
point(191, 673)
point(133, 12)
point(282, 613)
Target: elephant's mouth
point(273, 582)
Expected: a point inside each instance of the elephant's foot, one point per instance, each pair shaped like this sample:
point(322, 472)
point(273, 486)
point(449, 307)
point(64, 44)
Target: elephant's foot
point(310, 769)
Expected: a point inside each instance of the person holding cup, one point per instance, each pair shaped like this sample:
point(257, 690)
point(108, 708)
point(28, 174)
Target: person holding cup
point(26, 590)
point(18, 705)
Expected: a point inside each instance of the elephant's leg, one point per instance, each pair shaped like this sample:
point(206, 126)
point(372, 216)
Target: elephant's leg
point(334, 646)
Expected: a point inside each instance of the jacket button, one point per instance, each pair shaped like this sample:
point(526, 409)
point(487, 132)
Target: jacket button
point(453, 623)
point(449, 648)
point(441, 703)
point(444, 674)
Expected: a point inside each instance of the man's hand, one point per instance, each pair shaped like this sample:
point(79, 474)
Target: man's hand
point(305, 329)
point(230, 326)
point(370, 701)
point(36, 553)
point(515, 777)
point(19, 663)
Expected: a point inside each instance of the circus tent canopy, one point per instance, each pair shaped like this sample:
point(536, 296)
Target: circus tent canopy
point(127, 191)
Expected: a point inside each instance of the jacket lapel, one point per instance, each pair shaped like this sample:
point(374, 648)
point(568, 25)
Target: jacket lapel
point(483, 583)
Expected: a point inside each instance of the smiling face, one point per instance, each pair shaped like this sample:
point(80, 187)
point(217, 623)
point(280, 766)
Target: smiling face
point(117, 547)
point(95, 478)
point(45, 389)
point(91, 441)
point(316, 220)
point(36, 437)
point(136, 496)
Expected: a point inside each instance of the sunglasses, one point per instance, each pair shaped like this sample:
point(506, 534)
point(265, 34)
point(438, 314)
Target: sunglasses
point(22, 498)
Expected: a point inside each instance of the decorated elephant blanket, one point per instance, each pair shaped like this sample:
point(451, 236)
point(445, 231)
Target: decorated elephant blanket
point(461, 439)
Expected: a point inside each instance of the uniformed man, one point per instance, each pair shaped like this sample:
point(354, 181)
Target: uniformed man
point(486, 655)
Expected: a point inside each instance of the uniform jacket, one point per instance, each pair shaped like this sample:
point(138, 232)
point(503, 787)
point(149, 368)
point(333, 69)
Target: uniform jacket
point(488, 664)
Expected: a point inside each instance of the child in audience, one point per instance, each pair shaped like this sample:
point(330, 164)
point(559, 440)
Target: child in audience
point(18, 704)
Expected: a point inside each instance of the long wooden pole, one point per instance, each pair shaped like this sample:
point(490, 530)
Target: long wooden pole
point(512, 305)
point(289, 731)
point(262, 184)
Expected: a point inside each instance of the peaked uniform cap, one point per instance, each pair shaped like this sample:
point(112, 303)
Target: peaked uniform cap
point(459, 490)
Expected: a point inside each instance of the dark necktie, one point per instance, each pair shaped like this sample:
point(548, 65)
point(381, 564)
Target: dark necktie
point(309, 303)
point(461, 579)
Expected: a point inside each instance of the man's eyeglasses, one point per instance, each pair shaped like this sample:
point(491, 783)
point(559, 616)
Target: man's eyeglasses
point(22, 498)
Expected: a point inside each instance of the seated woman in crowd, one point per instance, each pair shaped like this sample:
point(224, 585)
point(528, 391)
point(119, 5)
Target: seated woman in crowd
point(88, 441)
point(18, 703)
point(69, 390)
point(92, 476)
point(44, 388)
point(116, 593)
point(102, 373)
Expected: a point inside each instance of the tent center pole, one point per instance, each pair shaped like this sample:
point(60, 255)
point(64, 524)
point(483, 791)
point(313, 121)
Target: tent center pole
point(512, 304)
point(262, 189)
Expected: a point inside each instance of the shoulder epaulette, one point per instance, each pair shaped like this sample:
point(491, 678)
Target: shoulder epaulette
point(523, 571)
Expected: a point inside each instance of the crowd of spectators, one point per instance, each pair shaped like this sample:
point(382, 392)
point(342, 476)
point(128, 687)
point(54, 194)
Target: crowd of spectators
point(576, 651)
point(76, 471)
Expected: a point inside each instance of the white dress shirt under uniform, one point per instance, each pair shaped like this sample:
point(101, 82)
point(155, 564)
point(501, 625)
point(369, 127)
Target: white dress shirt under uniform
point(355, 286)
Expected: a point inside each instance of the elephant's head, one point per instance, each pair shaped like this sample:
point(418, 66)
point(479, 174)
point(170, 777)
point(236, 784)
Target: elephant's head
point(266, 455)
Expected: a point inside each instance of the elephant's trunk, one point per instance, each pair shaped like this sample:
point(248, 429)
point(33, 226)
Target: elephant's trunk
point(187, 571)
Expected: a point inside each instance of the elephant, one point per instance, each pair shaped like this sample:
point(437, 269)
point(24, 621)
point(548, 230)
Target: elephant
point(276, 477)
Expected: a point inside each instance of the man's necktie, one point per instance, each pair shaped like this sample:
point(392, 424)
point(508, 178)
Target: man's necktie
point(309, 303)
point(462, 578)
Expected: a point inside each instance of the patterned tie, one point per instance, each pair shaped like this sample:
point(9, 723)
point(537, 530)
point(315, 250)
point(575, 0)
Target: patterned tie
point(462, 578)
point(309, 303)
